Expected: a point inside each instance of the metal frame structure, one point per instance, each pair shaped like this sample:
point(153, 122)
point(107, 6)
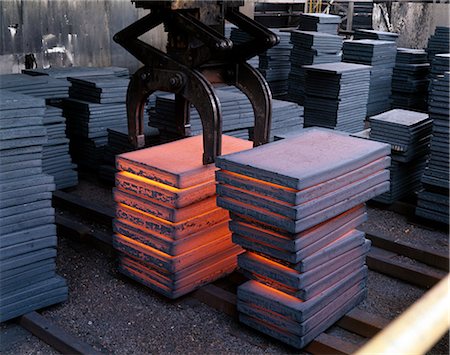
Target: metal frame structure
point(198, 56)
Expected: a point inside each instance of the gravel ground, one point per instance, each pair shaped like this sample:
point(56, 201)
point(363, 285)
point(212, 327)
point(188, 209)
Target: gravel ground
point(117, 315)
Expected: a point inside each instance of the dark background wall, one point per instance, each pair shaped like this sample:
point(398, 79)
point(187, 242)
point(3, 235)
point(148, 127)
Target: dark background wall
point(67, 32)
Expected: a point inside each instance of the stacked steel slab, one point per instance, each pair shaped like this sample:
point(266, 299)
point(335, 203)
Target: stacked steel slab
point(439, 42)
point(237, 114)
point(27, 230)
point(119, 143)
point(373, 34)
point(380, 55)
point(409, 135)
point(274, 64)
point(66, 72)
point(239, 36)
point(433, 202)
point(336, 96)
point(410, 79)
point(95, 104)
point(319, 23)
point(294, 205)
point(56, 160)
point(44, 87)
point(169, 232)
point(310, 48)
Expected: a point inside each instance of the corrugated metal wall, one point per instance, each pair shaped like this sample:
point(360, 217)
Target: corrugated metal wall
point(70, 32)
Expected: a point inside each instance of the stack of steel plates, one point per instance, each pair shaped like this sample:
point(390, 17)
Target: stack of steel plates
point(44, 87)
point(336, 96)
point(27, 230)
point(169, 232)
point(238, 36)
point(95, 104)
point(410, 79)
point(119, 143)
point(310, 48)
point(64, 73)
point(373, 34)
point(439, 42)
point(319, 23)
point(274, 64)
point(295, 205)
point(381, 56)
point(433, 203)
point(237, 114)
point(409, 135)
point(56, 160)
point(440, 65)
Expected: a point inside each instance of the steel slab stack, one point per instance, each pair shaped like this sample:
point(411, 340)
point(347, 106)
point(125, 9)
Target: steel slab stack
point(56, 158)
point(409, 134)
point(169, 232)
point(319, 23)
point(439, 42)
point(275, 65)
point(380, 55)
point(95, 104)
point(373, 34)
point(336, 96)
point(66, 72)
point(310, 48)
point(27, 230)
point(410, 79)
point(237, 114)
point(294, 205)
point(433, 202)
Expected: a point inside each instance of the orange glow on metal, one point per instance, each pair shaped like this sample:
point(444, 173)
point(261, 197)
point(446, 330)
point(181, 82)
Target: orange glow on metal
point(266, 183)
point(214, 246)
point(159, 184)
point(165, 221)
point(270, 262)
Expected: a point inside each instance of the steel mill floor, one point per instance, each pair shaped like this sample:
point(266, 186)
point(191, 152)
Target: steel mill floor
point(116, 315)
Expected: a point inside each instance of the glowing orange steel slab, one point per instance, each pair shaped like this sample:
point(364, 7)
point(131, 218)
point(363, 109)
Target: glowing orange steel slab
point(162, 193)
point(170, 246)
point(178, 163)
point(167, 262)
point(163, 211)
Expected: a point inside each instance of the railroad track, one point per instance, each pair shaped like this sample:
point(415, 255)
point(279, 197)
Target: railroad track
point(428, 268)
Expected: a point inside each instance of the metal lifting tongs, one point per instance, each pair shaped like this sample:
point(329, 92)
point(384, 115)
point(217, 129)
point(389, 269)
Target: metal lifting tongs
point(198, 55)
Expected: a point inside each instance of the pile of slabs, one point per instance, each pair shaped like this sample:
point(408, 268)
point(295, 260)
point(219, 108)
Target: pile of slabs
point(44, 87)
point(409, 135)
point(336, 96)
point(76, 72)
point(319, 23)
point(274, 64)
point(237, 114)
point(310, 48)
point(119, 143)
point(27, 230)
point(380, 55)
point(238, 36)
point(410, 79)
point(373, 34)
point(95, 104)
point(439, 42)
point(295, 205)
point(56, 160)
point(169, 232)
point(433, 203)
point(439, 66)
